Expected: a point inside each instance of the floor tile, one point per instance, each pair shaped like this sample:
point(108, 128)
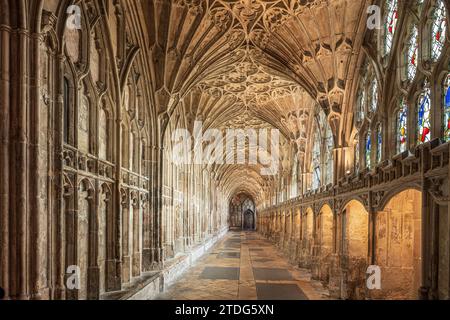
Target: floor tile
point(244, 266)
point(272, 274)
point(229, 255)
point(267, 291)
point(216, 273)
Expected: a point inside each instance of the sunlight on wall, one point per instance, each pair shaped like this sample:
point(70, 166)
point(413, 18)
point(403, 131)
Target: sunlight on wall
point(398, 246)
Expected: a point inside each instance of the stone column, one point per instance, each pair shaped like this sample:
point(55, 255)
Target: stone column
point(63, 189)
point(40, 218)
point(19, 148)
point(136, 225)
point(341, 155)
point(185, 190)
point(4, 157)
point(146, 231)
point(159, 251)
point(126, 260)
point(427, 219)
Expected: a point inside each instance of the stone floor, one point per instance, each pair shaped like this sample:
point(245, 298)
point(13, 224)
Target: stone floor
point(244, 266)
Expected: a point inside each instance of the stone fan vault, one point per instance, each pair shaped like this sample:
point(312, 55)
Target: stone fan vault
point(92, 94)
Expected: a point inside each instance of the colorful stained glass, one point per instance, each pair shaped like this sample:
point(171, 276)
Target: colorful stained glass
point(402, 125)
point(424, 115)
point(412, 53)
point(447, 108)
point(438, 30)
point(379, 143)
point(368, 149)
point(391, 24)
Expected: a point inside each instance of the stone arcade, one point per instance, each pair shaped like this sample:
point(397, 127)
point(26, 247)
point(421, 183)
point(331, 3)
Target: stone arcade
point(92, 91)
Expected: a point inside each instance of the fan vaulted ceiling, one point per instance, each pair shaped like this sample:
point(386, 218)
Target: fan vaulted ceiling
point(253, 63)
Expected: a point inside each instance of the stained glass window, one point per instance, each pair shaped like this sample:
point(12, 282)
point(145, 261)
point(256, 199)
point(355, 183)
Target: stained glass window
point(379, 143)
point(438, 30)
point(391, 24)
point(424, 114)
point(402, 127)
point(447, 108)
point(368, 149)
point(374, 95)
point(412, 54)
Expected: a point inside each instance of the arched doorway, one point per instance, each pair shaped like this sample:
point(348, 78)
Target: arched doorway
point(398, 246)
point(249, 220)
point(242, 212)
point(323, 243)
point(306, 238)
point(355, 249)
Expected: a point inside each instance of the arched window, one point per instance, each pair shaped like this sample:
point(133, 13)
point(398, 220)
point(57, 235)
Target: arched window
point(361, 104)
point(424, 114)
point(369, 149)
point(66, 110)
point(373, 105)
point(438, 30)
point(412, 54)
point(379, 143)
point(402, 127)
point(390, 24)
point(446, 110)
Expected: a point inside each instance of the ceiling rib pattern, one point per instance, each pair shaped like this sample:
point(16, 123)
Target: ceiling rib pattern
point(252, 64)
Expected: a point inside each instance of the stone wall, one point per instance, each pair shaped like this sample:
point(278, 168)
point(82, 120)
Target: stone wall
point(86, 156)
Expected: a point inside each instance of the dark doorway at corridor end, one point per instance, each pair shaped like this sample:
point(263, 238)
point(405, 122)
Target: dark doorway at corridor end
point(249, 220)
point(242, 213)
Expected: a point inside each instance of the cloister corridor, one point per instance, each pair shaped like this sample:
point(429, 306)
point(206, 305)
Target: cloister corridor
point(224, 149)
point(245, 266)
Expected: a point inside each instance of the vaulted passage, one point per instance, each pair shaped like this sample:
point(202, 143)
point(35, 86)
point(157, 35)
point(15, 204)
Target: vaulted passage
point(244, 266)
point(294, 149)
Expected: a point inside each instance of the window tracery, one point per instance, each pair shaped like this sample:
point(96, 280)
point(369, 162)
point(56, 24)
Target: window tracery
point(412, 54)
point(446, 108)
point(424, 114)
point(390, 24)
point(438, 30)
point(402, 127)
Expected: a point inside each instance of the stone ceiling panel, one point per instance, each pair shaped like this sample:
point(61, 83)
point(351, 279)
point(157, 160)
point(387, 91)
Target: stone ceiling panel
point(254, 63)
